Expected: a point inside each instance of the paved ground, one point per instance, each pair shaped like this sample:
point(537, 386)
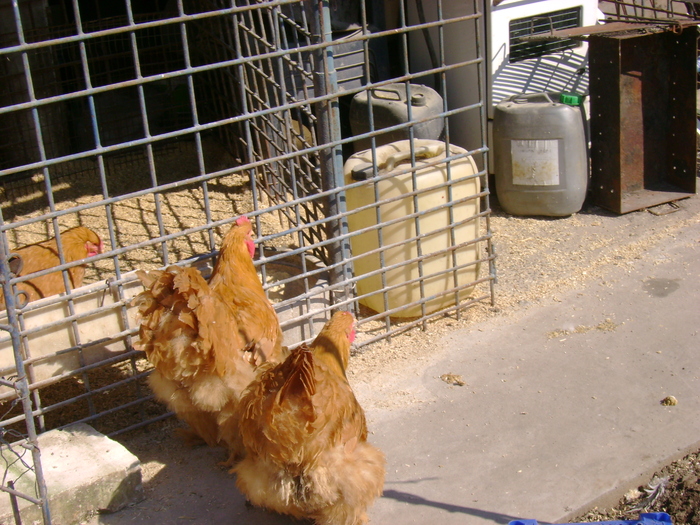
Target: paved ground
point(562, 404)
point(561, 408)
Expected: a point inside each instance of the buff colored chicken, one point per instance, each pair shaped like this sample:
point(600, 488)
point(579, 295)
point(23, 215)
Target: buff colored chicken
point(76, 243)
point(305, 435)
point(206, 339)
point(189, 334)
point(235, 278)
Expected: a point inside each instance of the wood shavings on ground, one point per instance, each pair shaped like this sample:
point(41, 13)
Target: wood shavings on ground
point(453, 379)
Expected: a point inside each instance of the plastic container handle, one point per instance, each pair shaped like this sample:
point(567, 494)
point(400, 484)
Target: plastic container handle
point(537, 97)
point(362, 171)
point(395, 95)
point(424, 152)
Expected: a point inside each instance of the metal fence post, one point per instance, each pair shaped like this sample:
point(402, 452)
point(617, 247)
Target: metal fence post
point(331, 157)
point(21, 384)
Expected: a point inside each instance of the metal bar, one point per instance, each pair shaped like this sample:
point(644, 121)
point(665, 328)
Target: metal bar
point(183, 17)
point(640, 7)
point(113, 410)
point(92, 417)
point(394, 221)
point(75, 348)
point(612, 28)
point(209, 67)
point(299, 209)
point(21, 384)
point(406, 326)
point(141, 424)
point(331, 157)
point(424, 300)
point(216, 124)
point(10, 489)
point(141, 25)
point(56, 379)
point(441, 85)
point(418, 259)
point(197, 229)
point(101, 390)
point(483, 80)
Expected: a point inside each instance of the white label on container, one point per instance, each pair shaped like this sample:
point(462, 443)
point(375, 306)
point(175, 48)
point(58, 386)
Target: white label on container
point(535, 162)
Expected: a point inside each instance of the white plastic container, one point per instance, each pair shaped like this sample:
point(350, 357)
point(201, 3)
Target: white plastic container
point(390, 106)
point(397, 236)
point(540, 155)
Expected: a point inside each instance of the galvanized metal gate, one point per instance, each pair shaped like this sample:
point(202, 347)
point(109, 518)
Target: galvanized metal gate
point(157, 123)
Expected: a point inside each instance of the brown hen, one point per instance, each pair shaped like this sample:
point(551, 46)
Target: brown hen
point(236, 279)
point(189, 334)
point(76, 243)
point(305, 435)
point(205, 339)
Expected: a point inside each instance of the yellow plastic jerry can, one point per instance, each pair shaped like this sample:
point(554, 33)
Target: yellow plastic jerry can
point(428, 224)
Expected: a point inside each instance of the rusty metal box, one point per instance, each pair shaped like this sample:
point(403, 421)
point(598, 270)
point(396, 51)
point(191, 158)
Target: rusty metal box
point(643, 118)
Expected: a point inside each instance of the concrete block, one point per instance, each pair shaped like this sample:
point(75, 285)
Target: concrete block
point(85, 472)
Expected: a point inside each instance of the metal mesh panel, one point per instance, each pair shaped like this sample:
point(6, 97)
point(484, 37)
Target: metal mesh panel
point(157, 124)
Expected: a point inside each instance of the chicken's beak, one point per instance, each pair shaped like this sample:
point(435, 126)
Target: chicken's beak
point(93, 249)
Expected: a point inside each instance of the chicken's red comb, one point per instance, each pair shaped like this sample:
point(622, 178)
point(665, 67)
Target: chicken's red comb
point(242, 220)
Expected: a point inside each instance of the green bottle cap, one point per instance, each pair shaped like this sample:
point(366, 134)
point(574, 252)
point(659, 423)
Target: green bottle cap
point(571, 99)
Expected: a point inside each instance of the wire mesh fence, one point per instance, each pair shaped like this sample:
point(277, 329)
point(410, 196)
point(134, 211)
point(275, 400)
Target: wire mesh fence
point(156, 124)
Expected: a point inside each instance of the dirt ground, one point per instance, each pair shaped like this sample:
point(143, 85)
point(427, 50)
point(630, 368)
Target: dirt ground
point(675, 489)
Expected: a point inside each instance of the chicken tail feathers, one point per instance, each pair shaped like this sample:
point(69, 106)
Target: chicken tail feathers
point(300, 383)
point(147, 278)
point(168, 331)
